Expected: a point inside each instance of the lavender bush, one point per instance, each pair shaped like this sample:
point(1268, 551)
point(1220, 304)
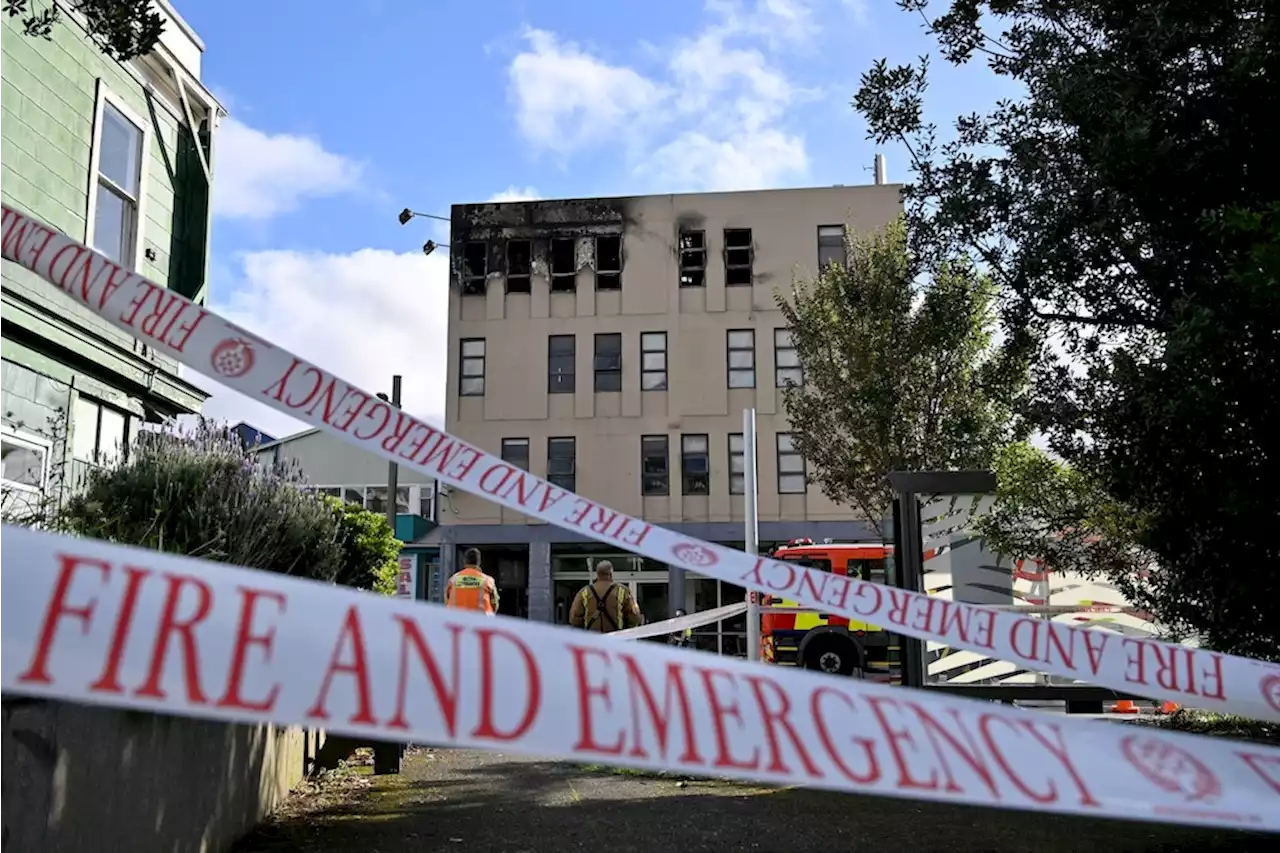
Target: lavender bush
point(199, 493)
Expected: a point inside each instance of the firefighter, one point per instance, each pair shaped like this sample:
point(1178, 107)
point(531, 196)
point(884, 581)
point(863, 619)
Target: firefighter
point(603, 605)
point(472, 589)
point(681, 639)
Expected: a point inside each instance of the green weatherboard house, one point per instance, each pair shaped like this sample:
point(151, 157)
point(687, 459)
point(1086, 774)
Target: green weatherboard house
point(118, 155)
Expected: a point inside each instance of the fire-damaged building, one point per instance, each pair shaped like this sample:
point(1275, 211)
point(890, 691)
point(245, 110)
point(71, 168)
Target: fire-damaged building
point(611, 345)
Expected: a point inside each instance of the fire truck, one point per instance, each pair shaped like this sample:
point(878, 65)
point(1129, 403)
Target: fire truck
point(791, 635)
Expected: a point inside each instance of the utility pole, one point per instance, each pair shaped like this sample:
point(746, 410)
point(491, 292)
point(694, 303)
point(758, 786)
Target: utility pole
point(751, 524)
point(388, 756)
point(393, 470)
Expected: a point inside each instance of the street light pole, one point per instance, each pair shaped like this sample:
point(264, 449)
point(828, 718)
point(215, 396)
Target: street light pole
point(751, 524)
point(393, 471)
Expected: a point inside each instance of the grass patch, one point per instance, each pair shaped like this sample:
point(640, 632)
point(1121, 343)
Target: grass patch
point(1217, 725)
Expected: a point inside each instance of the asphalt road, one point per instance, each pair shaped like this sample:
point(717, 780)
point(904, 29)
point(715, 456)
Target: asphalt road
point(456, 800)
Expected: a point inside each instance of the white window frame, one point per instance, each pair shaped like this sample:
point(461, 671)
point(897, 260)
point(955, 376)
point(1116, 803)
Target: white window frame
point(34, 442)
point(785, 481)
point(415, 493)
point(132, 423)
point(784, 341)
point(106, 96)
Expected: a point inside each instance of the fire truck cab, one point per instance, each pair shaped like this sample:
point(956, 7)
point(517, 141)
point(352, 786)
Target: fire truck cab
point(795, 636)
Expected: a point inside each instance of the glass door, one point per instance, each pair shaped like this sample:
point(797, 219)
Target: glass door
point(653, 599)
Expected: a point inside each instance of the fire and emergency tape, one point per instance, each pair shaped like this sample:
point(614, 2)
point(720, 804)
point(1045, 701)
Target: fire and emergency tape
point(680, 623)
point(227, 353)
point(127, 627)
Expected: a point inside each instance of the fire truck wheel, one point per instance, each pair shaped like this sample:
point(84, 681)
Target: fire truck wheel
point(831, 654)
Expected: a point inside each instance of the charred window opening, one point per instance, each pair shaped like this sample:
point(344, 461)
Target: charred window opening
point(519, 266)
point(564, 266)
point(475, 266)
point(738, 256)
point(609, 262)
point(693, 258)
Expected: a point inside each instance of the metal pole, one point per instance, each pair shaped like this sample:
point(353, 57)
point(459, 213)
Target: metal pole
point(751, 523)
point(393, 470)
point(387, 756)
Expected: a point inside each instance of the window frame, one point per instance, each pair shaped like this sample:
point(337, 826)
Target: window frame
point(572, 373)
point(778, 369)
point(697, 272)
point(740, 453)
point(129, 419)
point(656, 484)
point(687, 478)
point(463, 359)
point(730, 349)
point(780, 454)
point(29, 441)
point(561, 479)
point(137, 240)
point(523, 281)
point(749, 266)
point(508, 444)
point(614, 374)
point(646, 372)
point(558, 277)
point(843, 249)
point(608, 280)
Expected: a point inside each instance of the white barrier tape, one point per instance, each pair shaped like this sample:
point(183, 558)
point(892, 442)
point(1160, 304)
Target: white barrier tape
point(679, 623)
point(205, 342)
point(105, 624)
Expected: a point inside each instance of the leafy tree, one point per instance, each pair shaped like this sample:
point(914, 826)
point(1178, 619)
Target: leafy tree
point(370, 548)
point(122, 29)
point(1126, 206)
point(897, 377)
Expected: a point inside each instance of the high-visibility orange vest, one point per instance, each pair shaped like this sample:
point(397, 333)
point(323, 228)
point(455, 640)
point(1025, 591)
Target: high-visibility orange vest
point(470, 589)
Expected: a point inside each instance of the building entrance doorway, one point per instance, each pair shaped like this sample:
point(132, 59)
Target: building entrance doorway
point(649, 588)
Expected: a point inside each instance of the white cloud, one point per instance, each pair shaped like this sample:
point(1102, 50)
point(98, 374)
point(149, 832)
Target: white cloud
point(514, 193)
point(713, 117)
point(260, 175)
point(364, 316)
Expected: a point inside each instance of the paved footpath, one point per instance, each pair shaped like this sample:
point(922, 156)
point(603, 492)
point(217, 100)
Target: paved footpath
point(461, 800)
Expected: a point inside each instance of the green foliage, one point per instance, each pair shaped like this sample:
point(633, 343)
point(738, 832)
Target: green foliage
point(1125, 203)
point(370, 548)
point(201, 495)
point(122, 29)
point(897, 377)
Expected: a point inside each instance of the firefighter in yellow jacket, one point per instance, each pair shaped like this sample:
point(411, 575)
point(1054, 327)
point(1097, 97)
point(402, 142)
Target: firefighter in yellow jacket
point(472, 589)
point(603, 605)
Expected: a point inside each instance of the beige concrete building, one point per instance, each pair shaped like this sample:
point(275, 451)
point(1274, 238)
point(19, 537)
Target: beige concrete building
point(611, 345)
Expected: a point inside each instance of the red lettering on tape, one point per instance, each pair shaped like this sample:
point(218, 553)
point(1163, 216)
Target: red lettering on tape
point(184, 628)
point(245, 637)
point(37, 671)
point(357, 668)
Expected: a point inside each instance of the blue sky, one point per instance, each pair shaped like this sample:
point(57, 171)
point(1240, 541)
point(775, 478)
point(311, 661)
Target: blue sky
point(343, 113)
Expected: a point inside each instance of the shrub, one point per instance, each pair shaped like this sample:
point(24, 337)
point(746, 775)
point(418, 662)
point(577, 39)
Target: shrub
point(200, 494)
point(370, 548)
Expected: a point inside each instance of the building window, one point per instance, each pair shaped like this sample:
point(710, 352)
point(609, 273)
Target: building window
point(564, 265)
point(515, 451)
point(421, 498)
point(23, 474)
point(830, 246)
point(119, 156)
point(742, 358)
point(562, 354)
point(608, 365)
point(519, 266)
point(655, 465)
point(695, 465)
point(562, 462)
point(427, 502)
point(99, 434)
point(791, 478)
point(693, 258)
point(738, 256)
point(471, 368)
point(737, 457)
point(609, 262)
point(786, 361)
point(653, 361)
point(475, 267)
